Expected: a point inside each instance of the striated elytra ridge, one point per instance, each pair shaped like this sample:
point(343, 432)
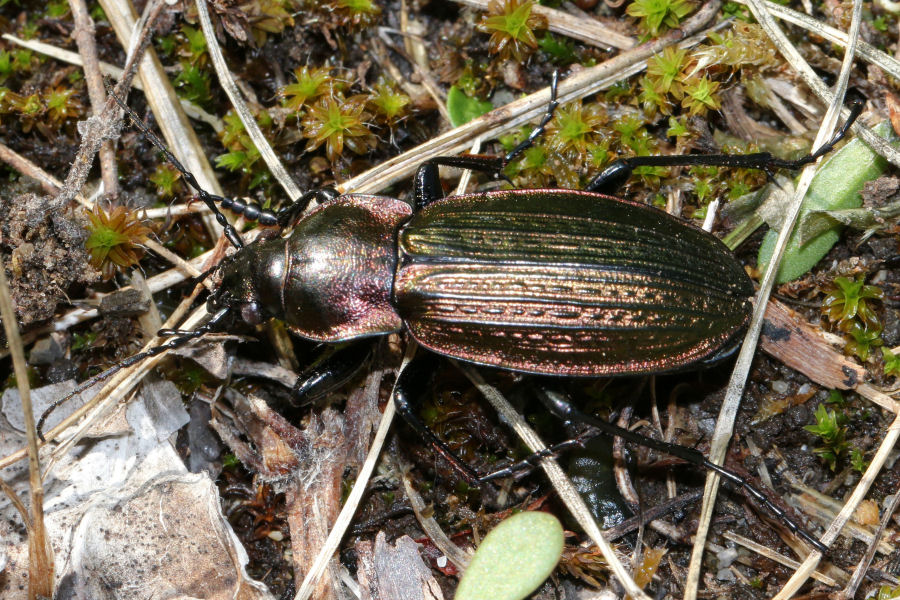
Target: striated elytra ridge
point(568, 283)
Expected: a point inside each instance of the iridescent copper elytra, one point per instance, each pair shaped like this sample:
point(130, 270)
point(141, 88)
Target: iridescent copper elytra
point(545, 281)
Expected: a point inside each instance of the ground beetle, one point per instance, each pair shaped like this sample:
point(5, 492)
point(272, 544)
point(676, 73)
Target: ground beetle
point(545, 281)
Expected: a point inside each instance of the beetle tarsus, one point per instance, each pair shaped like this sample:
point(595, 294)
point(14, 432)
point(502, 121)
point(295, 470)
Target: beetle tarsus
point(617, 174)
point(558, 405)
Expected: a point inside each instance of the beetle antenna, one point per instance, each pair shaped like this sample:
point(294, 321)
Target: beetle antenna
point(180, 338)
point(253, 212)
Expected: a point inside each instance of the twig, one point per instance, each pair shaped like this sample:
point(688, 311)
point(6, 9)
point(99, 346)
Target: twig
point(48, 182)
point(84, 35)
point(100, 126)
point(651, 514)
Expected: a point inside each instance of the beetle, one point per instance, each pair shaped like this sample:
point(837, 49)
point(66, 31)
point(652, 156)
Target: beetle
point(542, 281)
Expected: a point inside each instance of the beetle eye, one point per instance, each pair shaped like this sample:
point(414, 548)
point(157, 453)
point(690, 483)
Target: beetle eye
point(251, 313)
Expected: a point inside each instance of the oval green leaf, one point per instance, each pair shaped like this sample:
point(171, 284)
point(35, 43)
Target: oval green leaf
point(836, 186)
point(463, 109)
point(514, 558)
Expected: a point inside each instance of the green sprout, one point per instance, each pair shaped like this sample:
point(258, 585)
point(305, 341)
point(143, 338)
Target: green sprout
point(192, 84)
point(656, 16)
point(848, 302)
point(388, 104)
point(242, 155)
point(891, 362)
point(165, 177)
point(858, 460)
point(575, 127)
point(830, 427)
point(114, 239)
point(665, 70)
point(196, 44)
point(511, 24)
point(61, 104)
point(862, 340)
point(337, 122)
point(560, 50)
point(700, 95)
point(357, 13)
point(312, 83)
point(886, 592)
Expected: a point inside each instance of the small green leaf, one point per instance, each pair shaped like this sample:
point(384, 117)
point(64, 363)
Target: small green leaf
point(463, 109)
point(891, 362)
point(514, 558)
point(836, 186)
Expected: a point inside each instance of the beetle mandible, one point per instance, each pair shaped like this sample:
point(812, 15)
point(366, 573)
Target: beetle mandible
point(544, 281)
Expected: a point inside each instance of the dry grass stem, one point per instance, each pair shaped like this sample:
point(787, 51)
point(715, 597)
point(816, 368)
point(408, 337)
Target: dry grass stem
point(863, 566)
point(431, 527)
point(781, 559)
point(240, 106)
point(40, 553)
point(859, 493)
point(735, 390)
point(173, 123)
point(584, 83)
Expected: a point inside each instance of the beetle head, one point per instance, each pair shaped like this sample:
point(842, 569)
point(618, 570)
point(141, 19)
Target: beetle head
point(251, 282)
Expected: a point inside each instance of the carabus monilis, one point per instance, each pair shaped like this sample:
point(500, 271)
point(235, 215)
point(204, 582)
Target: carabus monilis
point(544, 281)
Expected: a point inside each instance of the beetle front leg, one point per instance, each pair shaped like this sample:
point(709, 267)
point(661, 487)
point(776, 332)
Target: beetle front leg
point(334, 367)
point(407, 396)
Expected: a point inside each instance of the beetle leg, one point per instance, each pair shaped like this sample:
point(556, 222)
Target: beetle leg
point(427, 184)
point(616, 174)
point(564, 410)
point(407, 395)
point(335, 367)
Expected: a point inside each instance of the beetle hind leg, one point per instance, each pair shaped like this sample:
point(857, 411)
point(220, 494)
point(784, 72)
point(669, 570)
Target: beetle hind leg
point(564, 410)
point(407, 396)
